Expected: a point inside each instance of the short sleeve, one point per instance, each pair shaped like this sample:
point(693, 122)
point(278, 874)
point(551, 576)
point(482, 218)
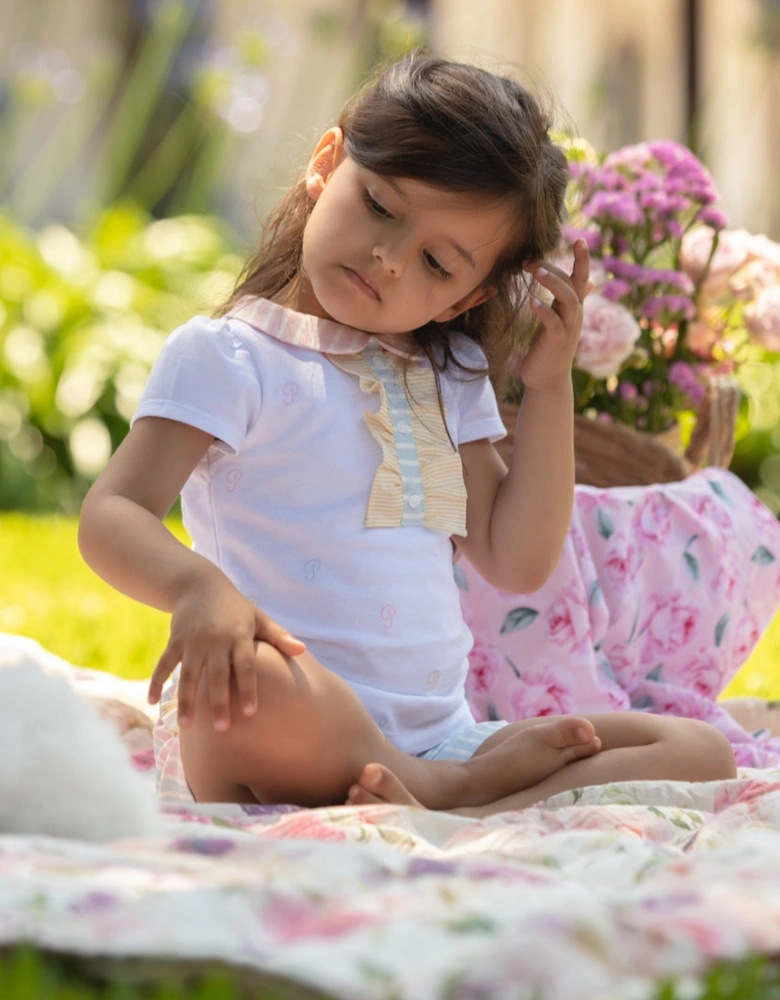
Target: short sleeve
point(206, 377)
point(478, 414)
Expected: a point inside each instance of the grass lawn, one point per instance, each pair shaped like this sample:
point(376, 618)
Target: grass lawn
point(49, 593)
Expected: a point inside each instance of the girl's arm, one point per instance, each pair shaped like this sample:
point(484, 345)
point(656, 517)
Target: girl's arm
point(517, 520)
point(123, 539)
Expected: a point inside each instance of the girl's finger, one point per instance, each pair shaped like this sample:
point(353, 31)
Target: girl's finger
point(580, 273)
point(218, 680)
point(245, 673)
point(547, 315)
point(561, 287)
point(191, 669)
point(165, 667)
point(272, 632)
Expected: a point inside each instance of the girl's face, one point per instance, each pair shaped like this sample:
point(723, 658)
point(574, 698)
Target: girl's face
point(387, 255)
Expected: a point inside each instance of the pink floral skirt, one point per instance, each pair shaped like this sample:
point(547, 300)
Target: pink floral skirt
point(659, 596)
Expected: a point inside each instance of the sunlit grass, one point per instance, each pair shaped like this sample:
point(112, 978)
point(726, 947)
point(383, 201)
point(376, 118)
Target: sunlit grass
point(48, 593)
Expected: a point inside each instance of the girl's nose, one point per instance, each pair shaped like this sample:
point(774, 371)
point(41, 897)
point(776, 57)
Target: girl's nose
point(391, 258)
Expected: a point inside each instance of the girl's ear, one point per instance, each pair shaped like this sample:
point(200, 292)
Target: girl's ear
point(475, 298)
point(327, 155)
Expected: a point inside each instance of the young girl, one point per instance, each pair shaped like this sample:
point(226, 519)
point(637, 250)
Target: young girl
point(331, 435)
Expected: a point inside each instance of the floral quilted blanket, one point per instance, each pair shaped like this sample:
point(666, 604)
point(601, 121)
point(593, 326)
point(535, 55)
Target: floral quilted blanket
point(594, 893)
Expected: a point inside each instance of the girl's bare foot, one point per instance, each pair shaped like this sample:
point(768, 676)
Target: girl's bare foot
point(377, 785)
point(520, 756)
point(519, 759)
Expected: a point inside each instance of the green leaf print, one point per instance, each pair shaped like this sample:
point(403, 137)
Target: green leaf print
point(517, 619)
point(606, 668)
point(594, 593)
point(471, 923)
point(492, 713)
point(605, 525)
point(720, 629)
point(633, 626)
point(762, 556)
point(692, 564)
point(655, 673)
point(461, 580)
point(718, 490)
point(515, 671)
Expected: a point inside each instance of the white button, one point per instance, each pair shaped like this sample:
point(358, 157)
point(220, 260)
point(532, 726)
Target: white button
point(415, 501)
point(402, 427)
point(381, 721)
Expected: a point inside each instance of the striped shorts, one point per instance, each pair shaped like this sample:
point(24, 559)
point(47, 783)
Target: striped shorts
point(463, 744)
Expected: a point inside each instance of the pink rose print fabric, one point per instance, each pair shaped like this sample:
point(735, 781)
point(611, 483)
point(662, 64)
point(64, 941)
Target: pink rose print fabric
point(660, 595)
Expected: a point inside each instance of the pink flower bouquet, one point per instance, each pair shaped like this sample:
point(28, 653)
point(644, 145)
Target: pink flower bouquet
point(677, 298)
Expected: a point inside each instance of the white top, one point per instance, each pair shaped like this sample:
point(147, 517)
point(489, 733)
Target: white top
point(280, 501)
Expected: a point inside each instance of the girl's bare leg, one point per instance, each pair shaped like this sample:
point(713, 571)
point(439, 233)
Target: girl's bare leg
point(635, 747)
point(311, 737)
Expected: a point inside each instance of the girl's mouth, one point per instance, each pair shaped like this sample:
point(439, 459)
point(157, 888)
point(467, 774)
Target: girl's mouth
point(362, 284)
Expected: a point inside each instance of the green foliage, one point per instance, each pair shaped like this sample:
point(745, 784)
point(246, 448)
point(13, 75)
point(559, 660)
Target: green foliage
point(28, 974)
point(81, 322)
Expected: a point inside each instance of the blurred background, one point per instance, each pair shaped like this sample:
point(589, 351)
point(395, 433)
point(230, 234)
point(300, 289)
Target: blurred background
point(143, 141)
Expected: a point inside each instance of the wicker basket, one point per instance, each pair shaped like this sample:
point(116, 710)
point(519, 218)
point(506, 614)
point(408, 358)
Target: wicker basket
point(615, 455)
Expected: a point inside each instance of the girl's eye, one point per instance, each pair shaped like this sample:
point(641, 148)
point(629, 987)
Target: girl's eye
point(435, 266)
point(375, 207)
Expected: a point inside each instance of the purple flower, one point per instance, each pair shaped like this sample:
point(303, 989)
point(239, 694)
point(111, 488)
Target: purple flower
point(685, 378)
point(213, 847)
point(95, 902)
point(618, 206)
point(712, 217)
point(659, 305)
point(622, 268)
point(615, 290)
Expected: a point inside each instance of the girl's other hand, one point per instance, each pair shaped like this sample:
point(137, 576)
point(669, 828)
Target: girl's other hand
point(549, 360)
point(215, 629)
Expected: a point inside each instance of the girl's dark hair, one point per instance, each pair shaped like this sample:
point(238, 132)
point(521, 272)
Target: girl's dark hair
point(456, 127)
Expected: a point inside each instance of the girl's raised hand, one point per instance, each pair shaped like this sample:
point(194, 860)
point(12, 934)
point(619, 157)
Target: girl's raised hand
point(214, 630)
point(549, 360)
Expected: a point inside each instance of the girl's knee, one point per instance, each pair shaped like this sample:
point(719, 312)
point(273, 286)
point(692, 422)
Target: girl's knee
point(707, 752)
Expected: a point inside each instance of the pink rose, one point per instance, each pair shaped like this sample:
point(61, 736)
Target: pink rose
point(484, 664)
point(731, 254)
point(709, 509)
point(567, 619)
point(623, 661)
point(653, 519)
point(670, 624)
point(700, 674)
point(728, 580)
point(747, 634)
point(765, 249)
point(762, 318)
point(621, 560)
point(551, 694)
point(609, 333)
point(291, 920)
point(752, 278)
